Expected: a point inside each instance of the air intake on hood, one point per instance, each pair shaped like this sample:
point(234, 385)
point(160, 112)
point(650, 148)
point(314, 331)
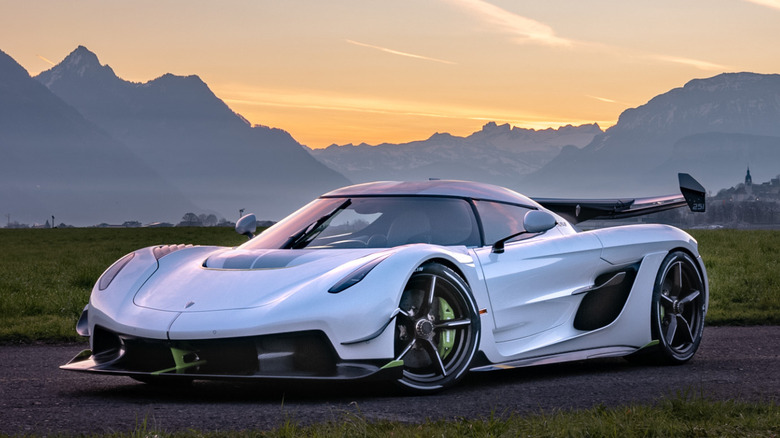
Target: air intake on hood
point(265, 259)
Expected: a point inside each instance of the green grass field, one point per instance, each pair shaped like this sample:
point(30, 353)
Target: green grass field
point(46, 275)
point(744, 273)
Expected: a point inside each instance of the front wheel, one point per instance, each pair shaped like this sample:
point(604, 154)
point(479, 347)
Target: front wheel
point(437, 329)
point(678, 308)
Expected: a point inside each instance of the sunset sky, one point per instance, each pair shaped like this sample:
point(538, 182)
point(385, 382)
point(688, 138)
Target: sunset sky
point(344, 71)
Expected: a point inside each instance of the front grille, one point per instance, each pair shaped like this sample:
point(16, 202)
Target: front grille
point(292, 354)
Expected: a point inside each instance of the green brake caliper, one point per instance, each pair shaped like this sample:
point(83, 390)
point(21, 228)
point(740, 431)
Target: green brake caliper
point(183, 359)
point(446, 337)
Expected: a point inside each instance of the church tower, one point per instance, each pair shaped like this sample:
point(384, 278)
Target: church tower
point(748, 178)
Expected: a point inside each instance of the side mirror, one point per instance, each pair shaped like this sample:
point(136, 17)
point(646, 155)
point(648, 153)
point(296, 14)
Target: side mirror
point(534, 221)
point(537, 221)
point(247, 225)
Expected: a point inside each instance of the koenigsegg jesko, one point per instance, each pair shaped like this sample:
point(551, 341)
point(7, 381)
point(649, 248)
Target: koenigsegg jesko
point(415, 282)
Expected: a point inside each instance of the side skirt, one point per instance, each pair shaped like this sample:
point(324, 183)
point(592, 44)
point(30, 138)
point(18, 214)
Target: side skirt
point(562, 357)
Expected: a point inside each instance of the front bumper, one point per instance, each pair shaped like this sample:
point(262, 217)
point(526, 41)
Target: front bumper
point(294, 356)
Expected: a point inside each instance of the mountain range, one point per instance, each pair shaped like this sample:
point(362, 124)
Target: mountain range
point(182, 131)
point(56, 162)
point(713, 128)
point(83, 144)
point(497, 154)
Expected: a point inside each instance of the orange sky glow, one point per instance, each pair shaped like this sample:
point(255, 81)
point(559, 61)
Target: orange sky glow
point(351, 71)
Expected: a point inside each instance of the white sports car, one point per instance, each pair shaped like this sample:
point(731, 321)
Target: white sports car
point(416, 282)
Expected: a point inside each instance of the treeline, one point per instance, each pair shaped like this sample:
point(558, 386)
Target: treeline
point(188, 220)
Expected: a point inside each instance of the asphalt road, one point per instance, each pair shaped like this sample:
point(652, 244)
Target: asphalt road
point(36, 397)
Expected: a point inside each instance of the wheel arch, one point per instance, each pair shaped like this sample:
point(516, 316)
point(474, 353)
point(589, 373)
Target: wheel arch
point(448, 263)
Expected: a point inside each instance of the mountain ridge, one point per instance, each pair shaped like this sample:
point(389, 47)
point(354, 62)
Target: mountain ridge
point(202, 153)
point(39, 132)
point(496, 154)
point(637, 154)
point(180, 128)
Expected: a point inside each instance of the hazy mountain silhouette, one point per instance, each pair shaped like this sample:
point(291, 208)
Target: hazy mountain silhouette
point(723, 157)
point(713, 128)
point(54, 162)
point(497, 154)
point(181, 129)
point(90, 147)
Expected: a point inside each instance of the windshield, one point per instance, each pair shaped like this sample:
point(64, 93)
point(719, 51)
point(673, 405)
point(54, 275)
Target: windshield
point(373, 222)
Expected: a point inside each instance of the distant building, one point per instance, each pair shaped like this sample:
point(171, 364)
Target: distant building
point(748, 192)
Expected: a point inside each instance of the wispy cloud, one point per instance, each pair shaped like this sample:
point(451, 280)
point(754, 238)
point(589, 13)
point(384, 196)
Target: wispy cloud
point(774, 4)
point(528, 31)
point(46, 60)
point(399, 53)
point(324, 101)
point(521, 29)
point(701, 65)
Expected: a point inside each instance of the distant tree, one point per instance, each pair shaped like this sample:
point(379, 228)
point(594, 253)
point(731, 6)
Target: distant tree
point(225, 223)
point(190, 220)
point(210, 220)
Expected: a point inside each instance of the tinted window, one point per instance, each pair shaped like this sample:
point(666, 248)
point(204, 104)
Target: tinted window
point(374, 222)
point(500, 220)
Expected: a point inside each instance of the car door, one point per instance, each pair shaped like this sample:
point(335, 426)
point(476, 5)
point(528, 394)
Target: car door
point(533, 284)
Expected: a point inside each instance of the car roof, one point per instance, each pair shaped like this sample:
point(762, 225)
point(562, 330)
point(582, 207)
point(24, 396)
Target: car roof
point(448, 188)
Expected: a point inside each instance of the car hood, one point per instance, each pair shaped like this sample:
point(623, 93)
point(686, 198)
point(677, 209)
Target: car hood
point(199, 279)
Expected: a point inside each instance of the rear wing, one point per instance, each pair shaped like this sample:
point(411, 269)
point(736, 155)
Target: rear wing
point(691, 194)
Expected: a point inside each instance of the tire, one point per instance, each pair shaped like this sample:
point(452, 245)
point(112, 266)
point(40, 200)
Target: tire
point(437, 329)
point(678, 309)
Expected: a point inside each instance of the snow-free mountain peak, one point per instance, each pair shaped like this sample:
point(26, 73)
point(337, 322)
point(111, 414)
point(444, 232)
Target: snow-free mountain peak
point(55, 162)
point(80, 64)
point(736, 113)
point(180, 128)
point(729, 102)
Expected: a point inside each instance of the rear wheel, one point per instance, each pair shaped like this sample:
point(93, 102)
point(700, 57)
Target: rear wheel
point(437, 329)
point(678, 309)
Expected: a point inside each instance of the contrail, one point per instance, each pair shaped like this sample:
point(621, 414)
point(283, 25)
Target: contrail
point(396, 52)
point(603, 99)
point(50, 62)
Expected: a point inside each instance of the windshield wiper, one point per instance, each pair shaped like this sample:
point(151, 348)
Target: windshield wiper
point(307, 233)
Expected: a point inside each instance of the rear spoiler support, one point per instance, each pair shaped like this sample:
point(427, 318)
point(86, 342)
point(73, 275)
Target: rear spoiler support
point(691, 194)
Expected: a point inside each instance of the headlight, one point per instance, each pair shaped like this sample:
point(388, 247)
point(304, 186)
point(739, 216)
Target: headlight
point(111, 272)
point(356, 276)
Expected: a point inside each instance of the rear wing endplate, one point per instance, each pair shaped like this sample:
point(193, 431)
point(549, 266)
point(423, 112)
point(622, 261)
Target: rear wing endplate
point(691, 194)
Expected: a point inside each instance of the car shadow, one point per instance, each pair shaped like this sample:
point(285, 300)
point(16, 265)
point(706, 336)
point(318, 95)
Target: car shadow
point(249, 391)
